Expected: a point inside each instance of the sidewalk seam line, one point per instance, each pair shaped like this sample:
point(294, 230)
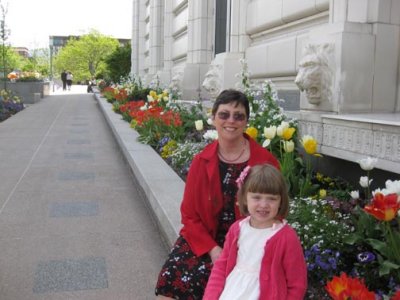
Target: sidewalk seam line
point(31, 160)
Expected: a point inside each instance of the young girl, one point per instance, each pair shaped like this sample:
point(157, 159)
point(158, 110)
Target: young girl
point(262, 256)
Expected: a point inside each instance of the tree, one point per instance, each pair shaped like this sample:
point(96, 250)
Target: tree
point(10, 59)
point(4, 33)
point(39, 62)
point(119, 63)
point(85, 56)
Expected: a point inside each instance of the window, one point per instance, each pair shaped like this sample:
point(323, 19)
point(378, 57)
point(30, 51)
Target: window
point(220, 25)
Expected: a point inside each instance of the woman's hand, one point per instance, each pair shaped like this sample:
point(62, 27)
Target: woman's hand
point(214, 253)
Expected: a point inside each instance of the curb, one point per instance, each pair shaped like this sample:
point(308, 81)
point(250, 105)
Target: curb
point(162, 187)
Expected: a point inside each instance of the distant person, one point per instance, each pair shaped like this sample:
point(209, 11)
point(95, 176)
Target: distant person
point(69, 80)
point(64, 80)
point(262, 256)
point(90, 85)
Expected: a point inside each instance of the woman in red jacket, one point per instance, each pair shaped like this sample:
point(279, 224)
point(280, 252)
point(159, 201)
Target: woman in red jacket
point(208, 206)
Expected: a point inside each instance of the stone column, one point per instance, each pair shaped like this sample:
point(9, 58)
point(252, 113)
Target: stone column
point(357, 56)
point(199, 47)
point(138, 57)
point(155, 39)
point(165, 76)
point(135, 37)
point(224, 67)
point(238, 39)
point(349, 75)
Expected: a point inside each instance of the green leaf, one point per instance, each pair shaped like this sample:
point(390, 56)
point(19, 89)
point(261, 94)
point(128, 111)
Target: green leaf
point(386, 267)
point(352, 239)
point(380, 246)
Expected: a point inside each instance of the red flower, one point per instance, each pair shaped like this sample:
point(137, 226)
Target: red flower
point(346, 288)
point(396, 296)
point(383, 207)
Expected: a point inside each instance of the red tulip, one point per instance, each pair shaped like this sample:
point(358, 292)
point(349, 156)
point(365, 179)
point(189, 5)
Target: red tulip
point(396, 296)
point(383, 207)
point(345, 288)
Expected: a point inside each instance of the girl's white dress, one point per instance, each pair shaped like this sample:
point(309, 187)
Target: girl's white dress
point(243, 282)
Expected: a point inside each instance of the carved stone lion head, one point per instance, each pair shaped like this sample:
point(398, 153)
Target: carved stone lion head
point(315, 76)
point(212, 81)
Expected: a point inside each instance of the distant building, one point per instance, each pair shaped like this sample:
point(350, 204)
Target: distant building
point(23, 51)
point(59, 41)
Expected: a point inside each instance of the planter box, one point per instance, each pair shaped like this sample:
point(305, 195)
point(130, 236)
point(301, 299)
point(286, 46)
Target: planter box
point(28, 91)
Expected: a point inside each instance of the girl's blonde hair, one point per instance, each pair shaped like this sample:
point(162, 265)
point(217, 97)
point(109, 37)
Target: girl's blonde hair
point(264, 179)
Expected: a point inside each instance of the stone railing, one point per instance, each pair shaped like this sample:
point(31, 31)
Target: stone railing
point(355, 136)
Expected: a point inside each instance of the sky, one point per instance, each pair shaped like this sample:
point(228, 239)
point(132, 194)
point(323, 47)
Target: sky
point(31, 22)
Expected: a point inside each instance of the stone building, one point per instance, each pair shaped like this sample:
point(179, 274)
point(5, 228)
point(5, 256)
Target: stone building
point(336, 61)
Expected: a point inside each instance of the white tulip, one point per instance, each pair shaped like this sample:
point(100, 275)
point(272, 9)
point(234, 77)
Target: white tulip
point(364, 181)
point(288, 146)
point(380, 191)
point(393, 186)
point(150, 98)
point(270, 132)
point(199, 125)
point(367, 164)
point(355, 194)
point(266, 143)
point(209, 121)
point(210, 135)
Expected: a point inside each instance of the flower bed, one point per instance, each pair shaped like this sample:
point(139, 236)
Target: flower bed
point(10, 104)
point(351, 242)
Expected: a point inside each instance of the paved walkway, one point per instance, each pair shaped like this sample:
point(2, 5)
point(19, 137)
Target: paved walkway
point(72, 223)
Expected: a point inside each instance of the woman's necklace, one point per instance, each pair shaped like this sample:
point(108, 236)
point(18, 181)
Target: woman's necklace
point(235, 159)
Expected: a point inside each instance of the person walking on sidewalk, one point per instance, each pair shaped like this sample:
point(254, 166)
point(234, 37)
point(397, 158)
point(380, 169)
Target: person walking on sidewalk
point(69, 80)
point(208, 207)
point(64, 80)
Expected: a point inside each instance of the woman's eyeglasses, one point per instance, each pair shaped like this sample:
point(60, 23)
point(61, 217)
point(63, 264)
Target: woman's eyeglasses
point(225, 115)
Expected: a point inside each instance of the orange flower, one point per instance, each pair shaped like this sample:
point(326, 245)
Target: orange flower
point(346, 288)
point(383, 207)
point(12, 75)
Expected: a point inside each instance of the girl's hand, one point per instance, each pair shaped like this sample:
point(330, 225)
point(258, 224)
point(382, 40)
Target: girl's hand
point(214, 253)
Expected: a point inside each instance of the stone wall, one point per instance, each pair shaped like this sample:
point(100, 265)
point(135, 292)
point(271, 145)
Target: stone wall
point(27, 90)
point(338, 60)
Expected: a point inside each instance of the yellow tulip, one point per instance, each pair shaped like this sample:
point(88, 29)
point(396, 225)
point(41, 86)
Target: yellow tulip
point(281, 128)
point(252, 132)
point(322, 193)
point(153, 94)
point(288, 133)
point(309, 144)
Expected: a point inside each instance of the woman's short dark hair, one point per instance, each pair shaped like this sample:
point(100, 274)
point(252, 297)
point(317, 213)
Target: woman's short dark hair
point(231, 96)
point(264, 179)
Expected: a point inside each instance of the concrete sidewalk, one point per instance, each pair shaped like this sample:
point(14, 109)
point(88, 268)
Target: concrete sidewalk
point(73, 225)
